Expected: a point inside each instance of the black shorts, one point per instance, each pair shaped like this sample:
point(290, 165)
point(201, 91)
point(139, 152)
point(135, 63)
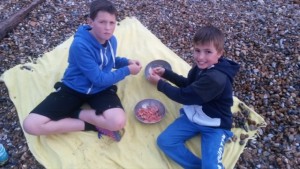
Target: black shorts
point(64, 102)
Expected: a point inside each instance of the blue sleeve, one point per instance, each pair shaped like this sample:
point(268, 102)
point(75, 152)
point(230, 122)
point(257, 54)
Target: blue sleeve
point(86, 62)
point(181, 95)
point(176, 79)
point(121, 62)
point(199, 92)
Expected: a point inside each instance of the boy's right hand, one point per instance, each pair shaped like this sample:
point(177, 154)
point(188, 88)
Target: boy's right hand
point(159, 71)
point(134, 68)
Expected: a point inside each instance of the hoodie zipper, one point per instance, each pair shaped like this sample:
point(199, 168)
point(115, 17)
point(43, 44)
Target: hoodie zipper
point(102, 60)
point(100, 67)
point(112, 53)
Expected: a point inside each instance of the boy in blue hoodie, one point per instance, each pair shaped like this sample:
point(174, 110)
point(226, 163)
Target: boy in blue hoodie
point(206, 95)
point(90, 77)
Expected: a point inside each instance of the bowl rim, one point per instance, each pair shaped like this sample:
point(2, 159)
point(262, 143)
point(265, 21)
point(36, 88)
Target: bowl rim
point(146, 100)
point(146, 71)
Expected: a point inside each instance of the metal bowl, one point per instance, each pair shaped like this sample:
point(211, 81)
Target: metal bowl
point(156, 63)
point(149, 111)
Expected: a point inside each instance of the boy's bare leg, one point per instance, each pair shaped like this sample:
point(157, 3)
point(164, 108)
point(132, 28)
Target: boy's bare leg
point(112, 119)
point(36, 124)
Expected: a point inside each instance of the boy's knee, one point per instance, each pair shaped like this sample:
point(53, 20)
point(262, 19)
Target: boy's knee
point(161, 141)
point(118, 124)
point(29, 127)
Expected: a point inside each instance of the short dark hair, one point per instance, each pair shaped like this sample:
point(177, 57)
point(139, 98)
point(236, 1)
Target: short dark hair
point(102, 5)
point(210, 34)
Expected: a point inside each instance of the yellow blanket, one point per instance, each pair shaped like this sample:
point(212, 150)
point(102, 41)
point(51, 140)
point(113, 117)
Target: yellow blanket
point(30, 83)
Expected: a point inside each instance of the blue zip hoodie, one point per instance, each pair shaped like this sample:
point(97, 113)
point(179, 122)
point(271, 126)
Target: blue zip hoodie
point(206, 94)
point(91, 65)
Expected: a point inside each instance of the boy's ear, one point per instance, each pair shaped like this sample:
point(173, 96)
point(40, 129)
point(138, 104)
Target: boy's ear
point(221, 53)
point(89, 21)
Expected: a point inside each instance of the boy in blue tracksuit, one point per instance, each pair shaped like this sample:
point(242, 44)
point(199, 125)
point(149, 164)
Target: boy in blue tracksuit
point(206, 95)
point(90, 77)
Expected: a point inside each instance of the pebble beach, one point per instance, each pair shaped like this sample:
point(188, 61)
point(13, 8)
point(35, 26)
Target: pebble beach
point(263, 36)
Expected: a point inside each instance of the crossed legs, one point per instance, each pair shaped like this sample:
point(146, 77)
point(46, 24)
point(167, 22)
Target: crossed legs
point(58, 113)
point(113, 119)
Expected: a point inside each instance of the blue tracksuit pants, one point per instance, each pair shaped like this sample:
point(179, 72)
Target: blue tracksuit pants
point(172, 142)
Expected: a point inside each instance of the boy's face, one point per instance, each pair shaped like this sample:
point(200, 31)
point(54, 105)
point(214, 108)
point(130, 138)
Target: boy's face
point(206, 55)
point(103, 26)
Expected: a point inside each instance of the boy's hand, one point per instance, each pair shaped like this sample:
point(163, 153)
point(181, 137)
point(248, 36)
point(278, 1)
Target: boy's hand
point(134, 68)
point(153, 77)
point(158, 70)
point(131, 61)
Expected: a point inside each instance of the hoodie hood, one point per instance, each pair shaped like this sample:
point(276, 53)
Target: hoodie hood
point(84, 34)
point(228, 67)
point(93, 67)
